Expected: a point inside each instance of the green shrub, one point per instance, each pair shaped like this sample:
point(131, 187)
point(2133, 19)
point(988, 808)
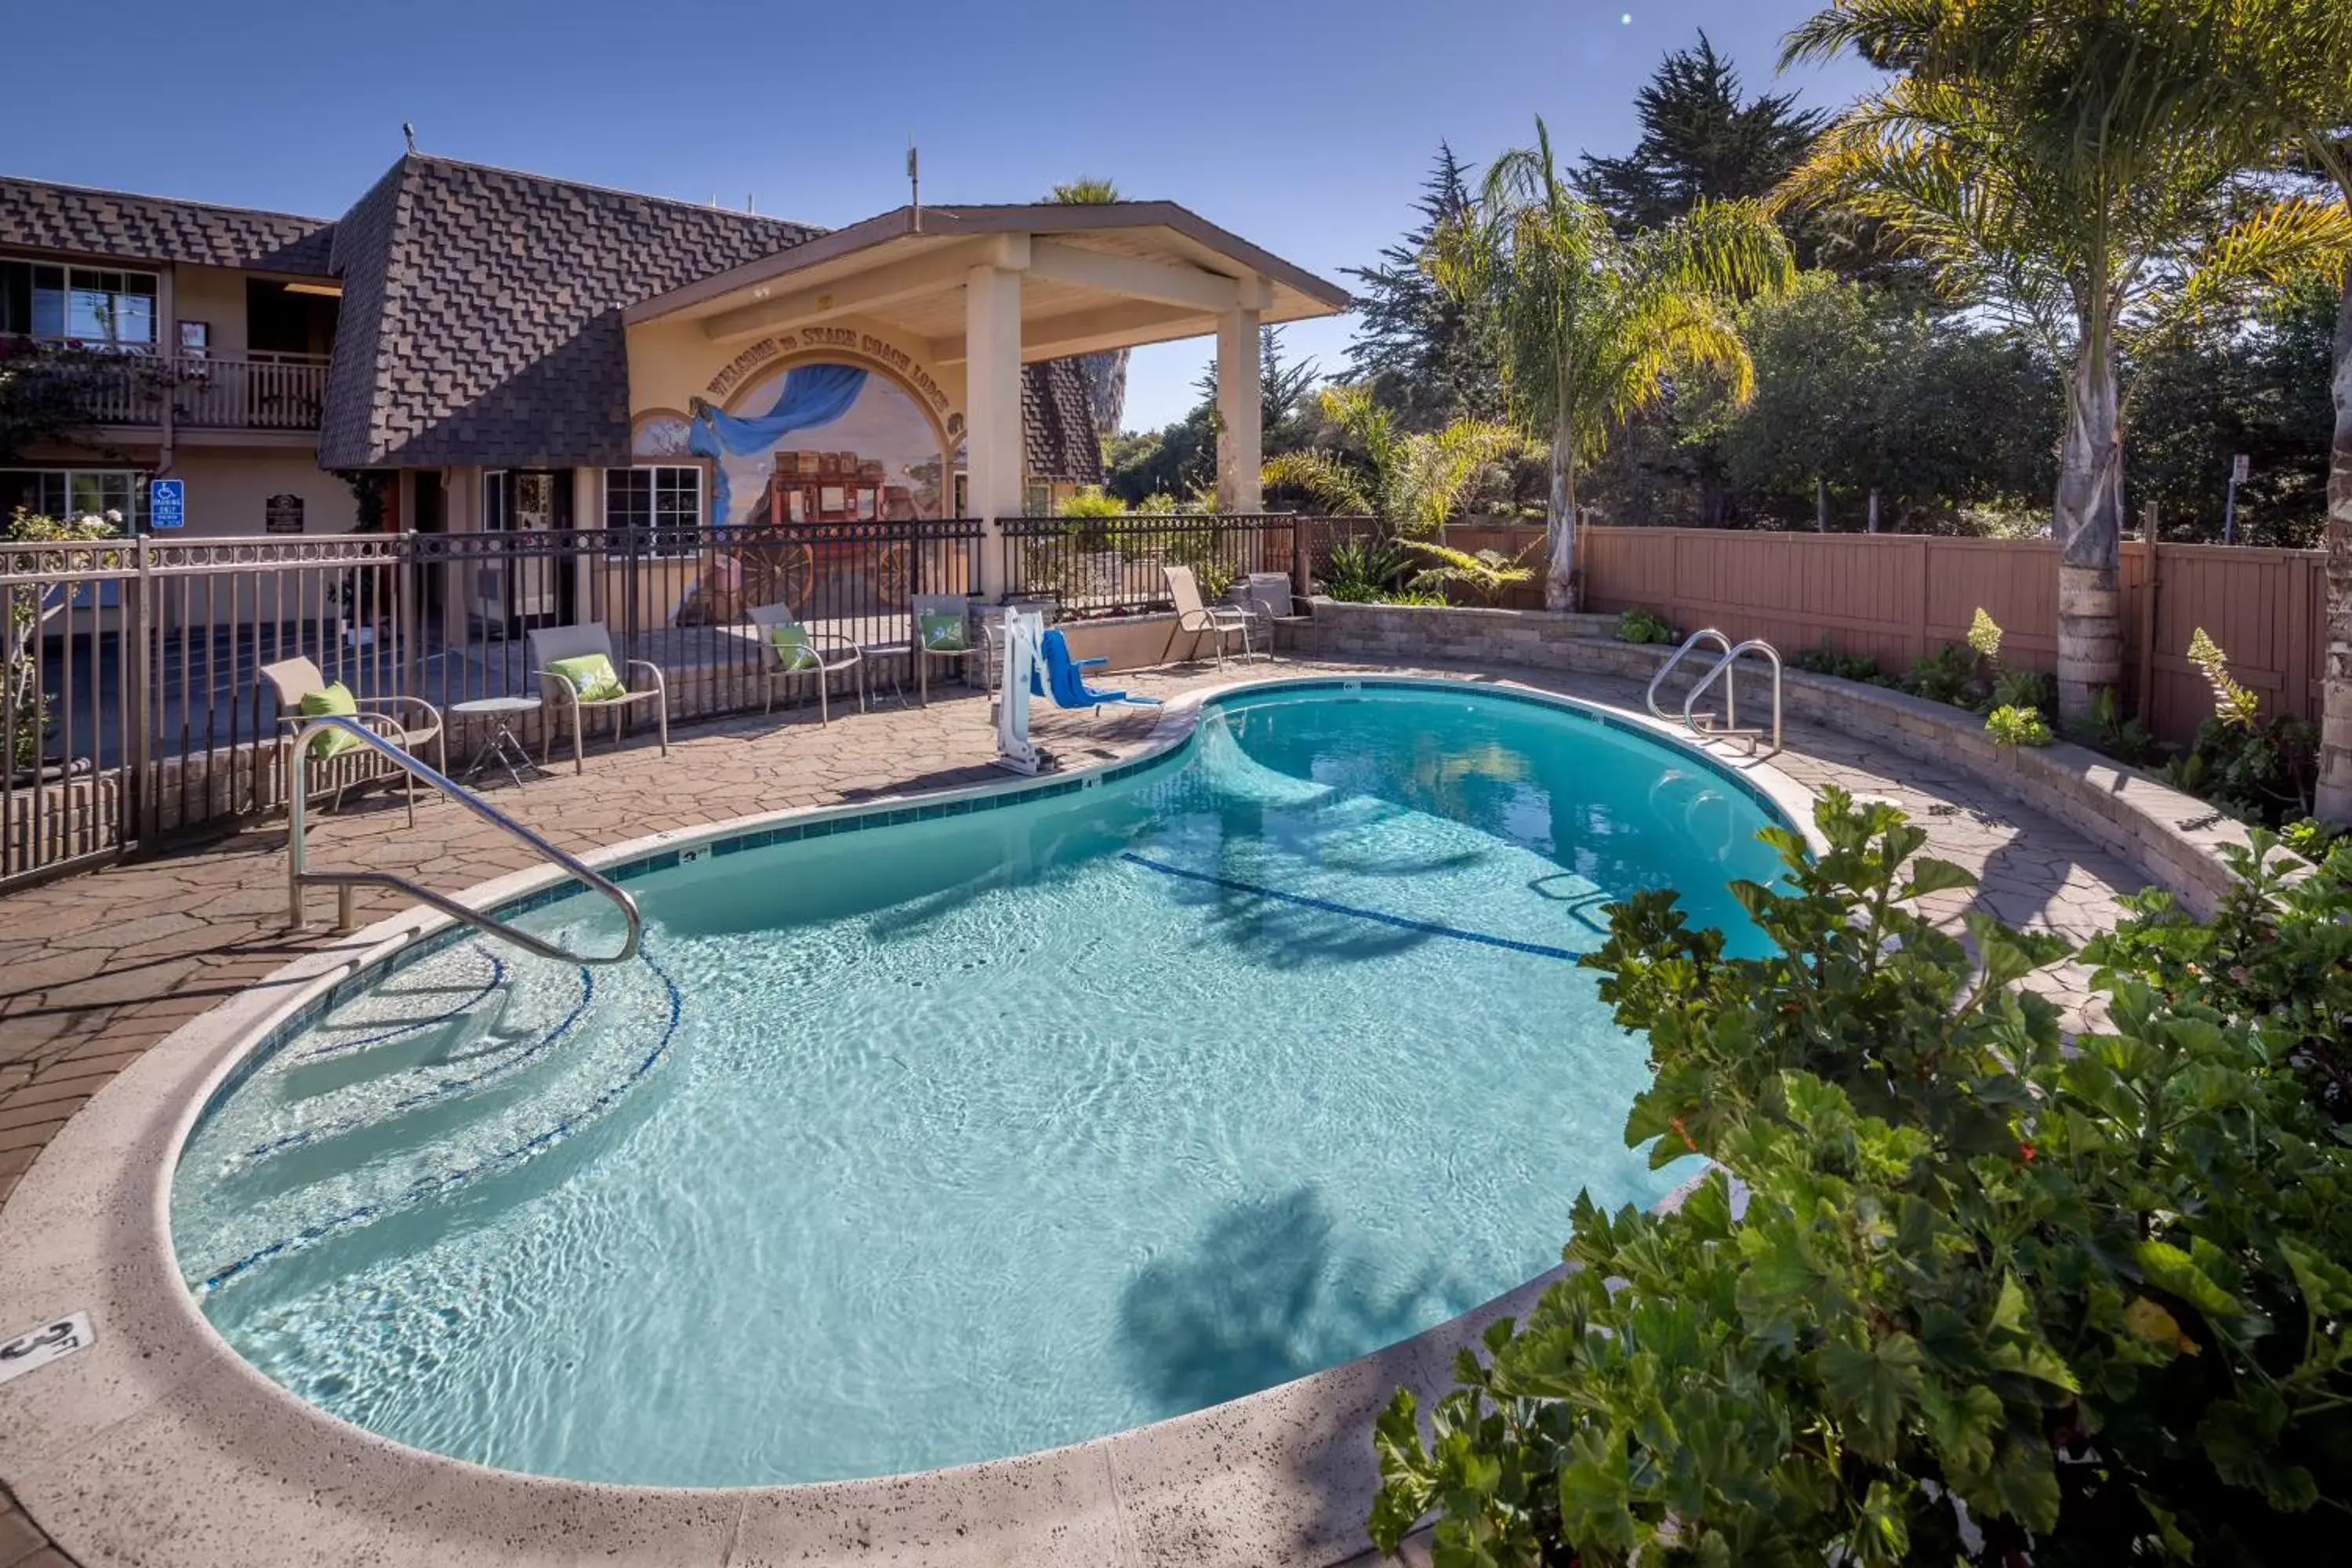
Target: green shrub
point(1947, 675)
point(1644, 627)
point(2107, 729)
point(1827, 660)
point(2096, 1297)
point(2024, 689)
point(1090, 501)
point(1364, 567)
point(1488, 574)
point(2008, 726)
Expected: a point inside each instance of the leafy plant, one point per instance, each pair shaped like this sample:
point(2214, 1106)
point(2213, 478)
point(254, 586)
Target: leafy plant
point(1487, 573)
point(2095, 1297)
point(2012, 726)
point(1423, 596)
point(2024, 689)
point(1411, 480)
point(28, 609)
point(2233, 703)
point(1827, 660)
point(2256, 770)
point(1090, 501)
point(1364, 568)
point(2310, 838)
point(2126, 739)
point(1947, 675)
point(1638, 625)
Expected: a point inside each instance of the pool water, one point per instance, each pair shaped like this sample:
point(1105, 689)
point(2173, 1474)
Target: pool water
point(962, 1138)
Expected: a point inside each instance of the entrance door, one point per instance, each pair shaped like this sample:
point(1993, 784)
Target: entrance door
point(536, 600)
point(530, 585)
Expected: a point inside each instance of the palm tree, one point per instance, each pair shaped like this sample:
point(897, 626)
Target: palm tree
point(2083, 169)
point(1411, 483)
point(1106, 369)
point(1594, 327)
point(2293, 59)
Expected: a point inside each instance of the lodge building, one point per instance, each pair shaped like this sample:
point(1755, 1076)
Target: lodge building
point(469, 348)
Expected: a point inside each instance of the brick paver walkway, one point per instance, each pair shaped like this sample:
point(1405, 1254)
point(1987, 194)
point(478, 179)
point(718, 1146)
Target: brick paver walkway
point(94, 969)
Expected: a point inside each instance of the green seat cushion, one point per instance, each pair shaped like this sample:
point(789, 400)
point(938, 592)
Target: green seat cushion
point(591, 677)
point(943, 631)
point(335, 700)
point(793, 649)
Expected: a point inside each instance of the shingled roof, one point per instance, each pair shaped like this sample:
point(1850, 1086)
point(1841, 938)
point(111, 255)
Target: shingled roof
point(1057, 422)
point(481, 319)
point(38, 216)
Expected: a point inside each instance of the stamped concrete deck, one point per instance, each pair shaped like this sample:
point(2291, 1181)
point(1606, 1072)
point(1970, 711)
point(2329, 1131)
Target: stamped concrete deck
point(97, 968)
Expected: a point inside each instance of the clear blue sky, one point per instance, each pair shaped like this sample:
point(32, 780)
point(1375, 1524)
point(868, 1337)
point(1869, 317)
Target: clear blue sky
point(1304, 125)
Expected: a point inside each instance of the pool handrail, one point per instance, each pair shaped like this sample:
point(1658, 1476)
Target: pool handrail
point(1690, 642)
point(299, 877)
point(1730, 725)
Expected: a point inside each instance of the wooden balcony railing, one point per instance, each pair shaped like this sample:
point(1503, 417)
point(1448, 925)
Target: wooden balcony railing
point(130, 386)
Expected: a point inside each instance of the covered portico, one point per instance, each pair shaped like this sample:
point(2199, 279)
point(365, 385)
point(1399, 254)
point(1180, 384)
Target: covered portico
point(955, 301)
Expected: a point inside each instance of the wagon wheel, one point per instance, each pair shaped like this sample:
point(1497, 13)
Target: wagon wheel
point(777, 574)
point(892, 582)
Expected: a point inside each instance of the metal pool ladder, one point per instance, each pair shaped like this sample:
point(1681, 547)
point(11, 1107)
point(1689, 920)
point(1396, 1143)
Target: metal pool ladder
point(1701, 724)
point(297, 877)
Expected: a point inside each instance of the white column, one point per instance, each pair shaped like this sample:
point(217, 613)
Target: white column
point(1240, 414)
point(992, 318)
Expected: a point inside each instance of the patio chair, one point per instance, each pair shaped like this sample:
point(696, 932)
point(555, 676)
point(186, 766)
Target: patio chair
point(549, 645)
point(822, 654)
point(936, 605)
point(294, 678)
point(1216, 622)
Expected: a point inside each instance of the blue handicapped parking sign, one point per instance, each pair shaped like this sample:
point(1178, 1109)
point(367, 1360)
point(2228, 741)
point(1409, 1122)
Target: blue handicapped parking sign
point(167, 503)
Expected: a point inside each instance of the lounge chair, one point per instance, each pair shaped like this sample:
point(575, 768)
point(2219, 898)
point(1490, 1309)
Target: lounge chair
point(1216, 622)
point(824, 654)
point(295, 679)
point(955, 604)
point(551, 644)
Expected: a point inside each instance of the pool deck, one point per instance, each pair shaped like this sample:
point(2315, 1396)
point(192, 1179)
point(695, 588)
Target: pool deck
point(95, 969)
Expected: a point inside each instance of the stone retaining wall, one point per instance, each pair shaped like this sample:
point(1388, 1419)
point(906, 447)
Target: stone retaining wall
point(2174, 838)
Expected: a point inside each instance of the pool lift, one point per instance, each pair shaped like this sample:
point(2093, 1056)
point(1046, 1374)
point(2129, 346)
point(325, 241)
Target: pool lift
point(1037, 663)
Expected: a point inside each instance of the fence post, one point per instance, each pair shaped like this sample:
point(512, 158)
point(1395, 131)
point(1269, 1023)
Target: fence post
point(141, 805)
point(1919, 619)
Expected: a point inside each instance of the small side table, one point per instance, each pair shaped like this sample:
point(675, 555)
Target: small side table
point(500, 745)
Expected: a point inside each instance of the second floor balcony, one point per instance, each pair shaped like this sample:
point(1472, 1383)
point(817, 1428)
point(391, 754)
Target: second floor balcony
point(118, 385)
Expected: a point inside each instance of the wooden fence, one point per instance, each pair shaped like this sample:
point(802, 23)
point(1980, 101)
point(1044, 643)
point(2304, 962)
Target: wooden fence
point(1898, 597)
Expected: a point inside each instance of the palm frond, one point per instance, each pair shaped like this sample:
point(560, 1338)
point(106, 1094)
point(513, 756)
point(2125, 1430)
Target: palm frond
point(1321, 475)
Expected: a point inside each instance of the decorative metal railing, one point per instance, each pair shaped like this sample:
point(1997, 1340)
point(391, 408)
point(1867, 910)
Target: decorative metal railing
point(1114, 566)
point(133, 704)
point(130, 386)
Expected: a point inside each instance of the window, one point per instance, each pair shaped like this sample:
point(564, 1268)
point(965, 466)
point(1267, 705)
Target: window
point(667, 499)
point(97, 307)
point(67, 493)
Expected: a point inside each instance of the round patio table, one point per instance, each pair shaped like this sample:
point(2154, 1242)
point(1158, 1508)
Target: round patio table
point(502, 745)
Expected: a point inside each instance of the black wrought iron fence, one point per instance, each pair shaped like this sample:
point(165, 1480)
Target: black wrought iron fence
point(137, 699)
point(1116, 565)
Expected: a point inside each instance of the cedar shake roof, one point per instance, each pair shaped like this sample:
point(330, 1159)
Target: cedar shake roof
point(481, 319)
point(38, 216)
point(1058, 424)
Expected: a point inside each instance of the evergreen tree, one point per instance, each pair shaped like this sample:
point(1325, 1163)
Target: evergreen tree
point(1700, 142)
point(1428, 358)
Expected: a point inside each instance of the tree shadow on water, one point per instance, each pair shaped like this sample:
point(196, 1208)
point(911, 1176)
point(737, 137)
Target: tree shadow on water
point(1269, 1292)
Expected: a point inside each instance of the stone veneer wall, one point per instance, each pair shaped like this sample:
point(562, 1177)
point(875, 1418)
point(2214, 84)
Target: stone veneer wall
point(2173, 839)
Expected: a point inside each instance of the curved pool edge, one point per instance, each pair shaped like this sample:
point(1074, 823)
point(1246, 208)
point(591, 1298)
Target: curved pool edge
point(160, 1443)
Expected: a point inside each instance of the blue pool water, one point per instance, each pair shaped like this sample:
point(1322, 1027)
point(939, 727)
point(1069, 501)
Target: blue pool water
point(960, 1138)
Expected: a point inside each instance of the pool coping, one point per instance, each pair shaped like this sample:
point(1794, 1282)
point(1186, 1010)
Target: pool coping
point(159, 1437)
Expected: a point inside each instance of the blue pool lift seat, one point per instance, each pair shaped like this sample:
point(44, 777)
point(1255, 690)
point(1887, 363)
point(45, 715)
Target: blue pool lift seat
point(1063, 677)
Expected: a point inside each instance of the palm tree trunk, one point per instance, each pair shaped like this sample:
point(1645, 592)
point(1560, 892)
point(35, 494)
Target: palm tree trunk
point(2333, 802)
point(1560, 586)
point(2088, 523)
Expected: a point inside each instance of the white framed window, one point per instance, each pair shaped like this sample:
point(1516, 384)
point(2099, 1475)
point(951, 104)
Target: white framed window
point(69, 493)
point(91, 307)
point(665, 498)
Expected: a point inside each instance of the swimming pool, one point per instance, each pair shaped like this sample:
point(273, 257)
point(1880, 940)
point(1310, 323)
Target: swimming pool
point(970, 1130)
